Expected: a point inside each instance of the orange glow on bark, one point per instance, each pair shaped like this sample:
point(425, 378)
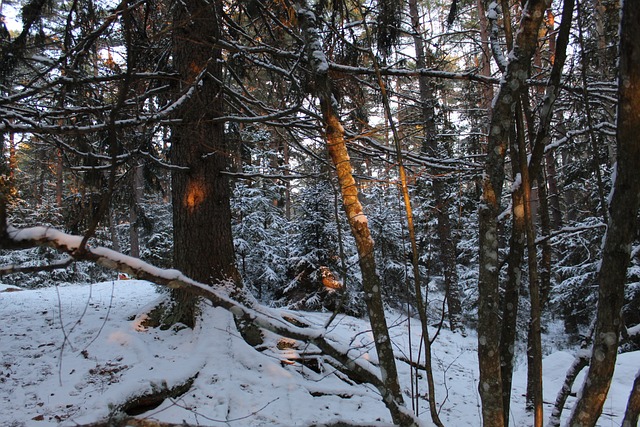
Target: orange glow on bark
point(488, 193)
point(195, 68)
point(196, 194)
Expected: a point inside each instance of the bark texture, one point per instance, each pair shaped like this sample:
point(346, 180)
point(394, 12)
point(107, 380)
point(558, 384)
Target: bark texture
point(203, 244)
point(513, 83)
point(621, 229)
point(511, 296)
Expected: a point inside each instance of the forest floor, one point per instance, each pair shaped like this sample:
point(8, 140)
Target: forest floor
point(74, 354)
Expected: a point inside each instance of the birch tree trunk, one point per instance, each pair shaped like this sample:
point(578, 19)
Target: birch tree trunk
point(621, 228)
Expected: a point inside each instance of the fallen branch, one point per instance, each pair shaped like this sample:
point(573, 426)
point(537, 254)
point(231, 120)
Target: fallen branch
point(580, 362)
point(219, 295)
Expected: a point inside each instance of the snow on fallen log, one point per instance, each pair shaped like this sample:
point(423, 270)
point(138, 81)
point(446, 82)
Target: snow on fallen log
point(218, 294)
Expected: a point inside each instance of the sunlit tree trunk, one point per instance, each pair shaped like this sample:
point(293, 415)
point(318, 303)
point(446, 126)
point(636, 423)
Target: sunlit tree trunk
point(621, 228)
point(203, 244)
point(531, 168)
point(337, 148)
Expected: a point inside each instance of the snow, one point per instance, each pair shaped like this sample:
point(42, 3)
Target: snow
point(44, 233)
point(517, 182)
point(492, 11)
point(322, 66)
point(70, 354)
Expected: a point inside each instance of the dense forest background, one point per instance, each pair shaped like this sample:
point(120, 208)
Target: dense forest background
point(452, 159)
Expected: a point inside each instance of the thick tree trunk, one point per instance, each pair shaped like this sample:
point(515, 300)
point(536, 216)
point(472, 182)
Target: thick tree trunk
point(203, 243)
point(621, 229)
point(513, 83)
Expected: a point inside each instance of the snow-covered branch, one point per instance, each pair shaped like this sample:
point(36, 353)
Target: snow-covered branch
point(219, 295)
point(493, 12)
point(470, 75)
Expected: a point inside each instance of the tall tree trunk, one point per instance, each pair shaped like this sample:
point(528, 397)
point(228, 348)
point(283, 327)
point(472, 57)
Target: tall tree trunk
point(59, 177)
point(137, 191)
point(113, 231)
point(550, 161)
point(593, 137)
point(515, 257)
point(522, 227)
point(513, 82)
point(621, 228)
point(534, 347)
point(337, 148)
point(404, 189)
point(447, 242)
point(203, 243)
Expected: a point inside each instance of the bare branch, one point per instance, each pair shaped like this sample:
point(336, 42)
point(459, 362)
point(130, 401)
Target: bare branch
point(11, 269)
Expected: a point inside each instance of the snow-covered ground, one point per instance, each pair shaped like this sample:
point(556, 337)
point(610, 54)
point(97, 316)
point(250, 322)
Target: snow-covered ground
point(71, 354)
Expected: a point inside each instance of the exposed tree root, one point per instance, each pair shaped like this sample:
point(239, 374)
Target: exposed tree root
point(148, 401)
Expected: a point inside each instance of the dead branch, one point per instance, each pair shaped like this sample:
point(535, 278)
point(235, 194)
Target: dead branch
point(220, 295)
point(10, 269)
